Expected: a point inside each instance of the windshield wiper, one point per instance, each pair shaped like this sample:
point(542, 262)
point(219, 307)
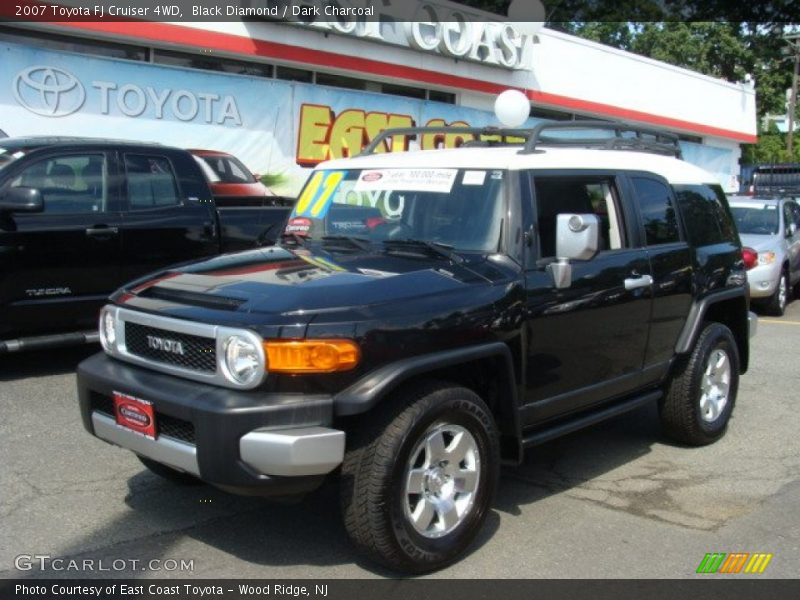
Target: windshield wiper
point(433, 248)
point(355, 242)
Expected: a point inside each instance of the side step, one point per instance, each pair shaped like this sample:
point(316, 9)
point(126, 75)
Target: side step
point(49, 341)
point(546, 434)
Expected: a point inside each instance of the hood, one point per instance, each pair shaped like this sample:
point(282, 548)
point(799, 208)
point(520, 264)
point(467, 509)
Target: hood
point(279, 280)
point(761, 243)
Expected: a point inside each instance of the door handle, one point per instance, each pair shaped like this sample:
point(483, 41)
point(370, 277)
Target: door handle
point(102, 231)
point(640, 281)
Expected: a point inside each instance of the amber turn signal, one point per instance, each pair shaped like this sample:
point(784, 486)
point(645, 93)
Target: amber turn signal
point(311, 356)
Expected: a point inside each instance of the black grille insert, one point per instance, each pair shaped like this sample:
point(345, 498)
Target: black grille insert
point(169, 347)
point(103, 404)
point(175, 428)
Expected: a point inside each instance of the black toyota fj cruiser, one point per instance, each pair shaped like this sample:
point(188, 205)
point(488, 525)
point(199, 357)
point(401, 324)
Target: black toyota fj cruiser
point(427, 315)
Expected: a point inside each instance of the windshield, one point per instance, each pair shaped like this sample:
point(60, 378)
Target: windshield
point(758, 220)
point(227, 169)
point(460, 208)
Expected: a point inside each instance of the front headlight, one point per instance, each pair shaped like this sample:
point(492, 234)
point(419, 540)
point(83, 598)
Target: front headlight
point(108, 330)
point(766, 258)
point(243, 360)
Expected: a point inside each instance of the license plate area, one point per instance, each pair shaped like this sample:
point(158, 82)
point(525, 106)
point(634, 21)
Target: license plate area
point(135, 414)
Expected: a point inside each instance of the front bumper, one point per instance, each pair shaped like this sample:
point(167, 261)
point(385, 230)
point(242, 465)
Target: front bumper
point(244, 441)
point(752, 323)
point(763, 280)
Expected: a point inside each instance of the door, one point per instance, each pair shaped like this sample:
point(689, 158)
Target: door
point(671, 258)
point(163, 224)
point(59, 265)
point(586, 343)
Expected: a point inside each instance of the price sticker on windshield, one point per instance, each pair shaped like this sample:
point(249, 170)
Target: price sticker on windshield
point(407, 180)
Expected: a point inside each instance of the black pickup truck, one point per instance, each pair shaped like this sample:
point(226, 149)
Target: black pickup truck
point(79, 217)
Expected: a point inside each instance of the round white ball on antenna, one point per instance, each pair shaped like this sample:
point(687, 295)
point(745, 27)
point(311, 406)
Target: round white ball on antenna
point(512, 108)
point(528, 16)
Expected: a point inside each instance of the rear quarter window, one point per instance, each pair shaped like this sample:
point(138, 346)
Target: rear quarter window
point(705, 213)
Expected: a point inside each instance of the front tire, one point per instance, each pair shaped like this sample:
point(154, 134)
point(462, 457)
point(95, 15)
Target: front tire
point(419, 478)
point(776, 305)
point(701, 394)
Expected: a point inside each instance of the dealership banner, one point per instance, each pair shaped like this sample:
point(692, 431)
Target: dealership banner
point(275, 127)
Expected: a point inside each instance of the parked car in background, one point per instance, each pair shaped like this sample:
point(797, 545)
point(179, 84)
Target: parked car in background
point(232, 183)
point(774, 180)
point(79, 217)
point(771, 227)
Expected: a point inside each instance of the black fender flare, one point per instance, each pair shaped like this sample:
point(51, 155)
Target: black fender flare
point(697, 312)
point(368, 391)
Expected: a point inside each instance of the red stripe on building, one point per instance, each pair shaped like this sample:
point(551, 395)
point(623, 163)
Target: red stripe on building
point(187, 36)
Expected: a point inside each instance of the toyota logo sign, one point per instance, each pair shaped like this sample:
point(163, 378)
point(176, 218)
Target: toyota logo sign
point(48, 91)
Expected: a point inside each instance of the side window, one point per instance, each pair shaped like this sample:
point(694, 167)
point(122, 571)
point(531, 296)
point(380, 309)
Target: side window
point(151, 182)
point(788, 218)
point(704, 214)
point(71, 184)
point(658, 214)
point(796, 213)
point(558, 195)
point(237, 174)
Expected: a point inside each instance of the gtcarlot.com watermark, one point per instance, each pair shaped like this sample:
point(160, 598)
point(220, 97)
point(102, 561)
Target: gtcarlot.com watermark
point(46, 562)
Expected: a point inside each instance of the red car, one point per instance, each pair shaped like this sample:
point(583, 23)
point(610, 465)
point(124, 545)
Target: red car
point(230, 181)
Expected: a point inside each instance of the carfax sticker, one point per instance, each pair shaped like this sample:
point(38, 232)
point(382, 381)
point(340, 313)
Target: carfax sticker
point(298, 226)
point(474, 177)
point(408, 180)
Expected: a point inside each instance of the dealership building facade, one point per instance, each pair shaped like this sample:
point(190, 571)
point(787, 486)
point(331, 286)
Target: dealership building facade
point(285, 96)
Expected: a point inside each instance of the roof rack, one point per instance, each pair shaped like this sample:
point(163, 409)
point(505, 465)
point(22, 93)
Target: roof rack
point(643, 139)
point(478, 132)
point(657, 142)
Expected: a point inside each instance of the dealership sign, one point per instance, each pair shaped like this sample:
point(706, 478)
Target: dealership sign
point(274, 126)
point(51, 91)
point(438, 27)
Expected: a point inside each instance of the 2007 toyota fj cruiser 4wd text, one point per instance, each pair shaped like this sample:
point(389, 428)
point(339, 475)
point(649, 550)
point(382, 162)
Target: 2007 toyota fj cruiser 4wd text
point(427, 315)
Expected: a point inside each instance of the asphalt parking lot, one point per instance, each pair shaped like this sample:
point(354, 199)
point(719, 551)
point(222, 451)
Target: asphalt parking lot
point(614, 501)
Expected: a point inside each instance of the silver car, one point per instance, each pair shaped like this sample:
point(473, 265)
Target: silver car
point(771, 227)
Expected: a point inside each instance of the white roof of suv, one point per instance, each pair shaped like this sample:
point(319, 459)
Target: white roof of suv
point(672, 169)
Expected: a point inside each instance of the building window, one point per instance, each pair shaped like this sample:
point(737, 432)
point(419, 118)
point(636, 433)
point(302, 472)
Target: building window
point(402, 90)
point(340, 81)
point(437, 96)
point(212, 63)
point(292, 74)
point(551, 115)
point(51, 41)
point(690, 138)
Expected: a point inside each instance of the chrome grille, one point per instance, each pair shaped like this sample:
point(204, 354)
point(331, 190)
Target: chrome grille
point(199, 353)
